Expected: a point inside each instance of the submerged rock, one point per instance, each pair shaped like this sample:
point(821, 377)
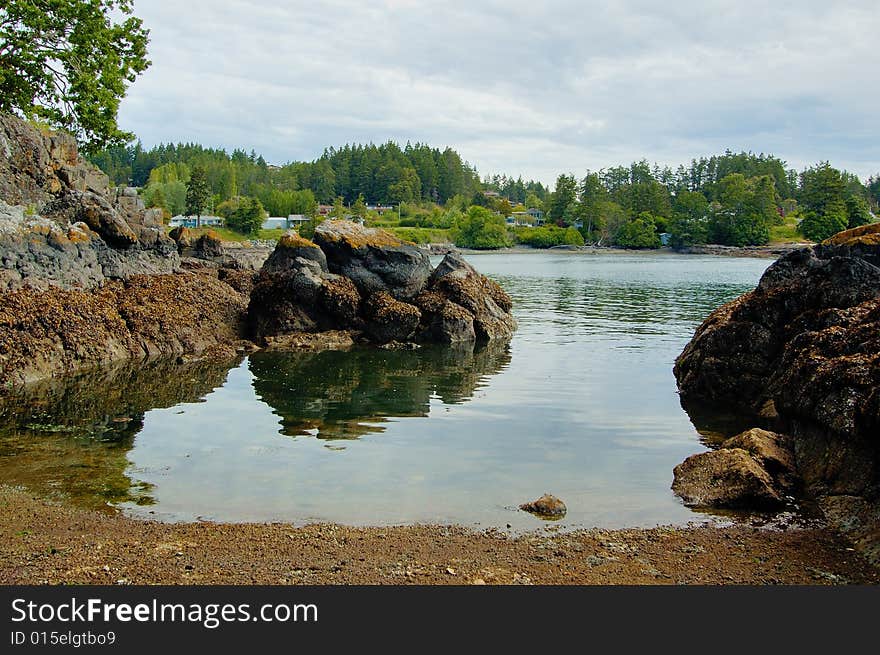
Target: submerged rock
point(546, 506)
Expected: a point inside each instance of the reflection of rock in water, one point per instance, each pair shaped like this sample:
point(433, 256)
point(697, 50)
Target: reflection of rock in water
point(343, 395)
point(72, 436)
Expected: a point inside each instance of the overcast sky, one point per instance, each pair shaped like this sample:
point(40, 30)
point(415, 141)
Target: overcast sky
point(524, 88)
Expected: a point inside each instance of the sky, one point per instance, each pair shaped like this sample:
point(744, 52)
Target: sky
point(522, 88)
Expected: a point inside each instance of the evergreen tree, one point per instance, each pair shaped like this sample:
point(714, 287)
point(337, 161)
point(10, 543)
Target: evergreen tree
point(197, 194)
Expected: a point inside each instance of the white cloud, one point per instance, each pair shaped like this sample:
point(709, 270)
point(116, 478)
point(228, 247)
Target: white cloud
point(518, 87)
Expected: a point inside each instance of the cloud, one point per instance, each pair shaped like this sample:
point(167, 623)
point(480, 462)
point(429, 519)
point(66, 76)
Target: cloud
point(517, 87)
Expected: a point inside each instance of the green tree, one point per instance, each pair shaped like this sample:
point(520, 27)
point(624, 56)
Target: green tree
point(563, 198)
point(197, 194)
point(857, 211)
point(69, 62)
point(639, 232)
point(479, 228)
point(248, 217)
point(689, 225)
point(359, 208)
point(338, 211)
point(818, 227)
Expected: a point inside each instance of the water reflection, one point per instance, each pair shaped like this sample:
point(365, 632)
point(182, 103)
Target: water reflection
point(346, 394)
point(582, 403)
point(71, 437)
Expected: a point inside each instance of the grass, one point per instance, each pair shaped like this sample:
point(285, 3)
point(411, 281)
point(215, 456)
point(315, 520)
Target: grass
point(231, 235)
point(786, 233)
point(421, 234)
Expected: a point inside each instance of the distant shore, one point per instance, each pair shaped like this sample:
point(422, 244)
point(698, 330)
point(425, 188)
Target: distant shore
point(765, 252)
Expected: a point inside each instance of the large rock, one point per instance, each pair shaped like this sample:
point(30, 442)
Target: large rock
point(457, 282)
point(806, 342)
point(59, 224)
point(729, 478)
point(375, 260)
point(337, 283)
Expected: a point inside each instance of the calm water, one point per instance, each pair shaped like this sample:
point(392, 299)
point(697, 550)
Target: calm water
point(581, 404)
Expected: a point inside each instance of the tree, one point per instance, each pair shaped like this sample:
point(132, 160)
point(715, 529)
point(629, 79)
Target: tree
point(857, 212)
point(640, 232)
point(68, 62)
point(689, 224)
point(563, 198)
point(822, 197)
point(197, 194)
point(338, 210)
point(480, 229)
point(359, 208)
point(248, 217)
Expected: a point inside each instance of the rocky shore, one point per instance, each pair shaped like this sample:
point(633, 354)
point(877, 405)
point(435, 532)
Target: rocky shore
point(88, 277)
point(801, 354)
point(43, 542)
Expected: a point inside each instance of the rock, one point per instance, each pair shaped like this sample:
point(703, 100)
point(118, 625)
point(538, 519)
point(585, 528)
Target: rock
point(59, 226)
point(388, 319)
point(545, 506)
point(725, 478)
point(208, 245)
point(805, 342)
point(375, 260)
point(452, 323)
point(772, 451)
point(183, 237)
point(456, 281)
point(326, 285)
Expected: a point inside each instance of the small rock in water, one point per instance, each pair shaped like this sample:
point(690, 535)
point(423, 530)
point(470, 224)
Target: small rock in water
point(546, 506)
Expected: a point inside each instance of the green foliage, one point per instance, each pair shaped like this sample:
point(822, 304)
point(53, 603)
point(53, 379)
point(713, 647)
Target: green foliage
point(307, 230)
point(69, 62)
point(744, 212)
point(818, 227)
point(197, 192)
point(248, 217)
point(857, 211)
point(360, 207)
point(548, 236)
point(563, 198)
point(689, 224)
point(480, 229)
point(639, 232)
point(421, 235)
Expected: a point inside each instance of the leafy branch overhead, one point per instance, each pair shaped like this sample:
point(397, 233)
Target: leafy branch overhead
point(68, 63)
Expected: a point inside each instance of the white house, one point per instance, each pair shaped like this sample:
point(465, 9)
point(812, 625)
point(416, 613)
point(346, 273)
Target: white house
point(293, 221)
point(190, 221)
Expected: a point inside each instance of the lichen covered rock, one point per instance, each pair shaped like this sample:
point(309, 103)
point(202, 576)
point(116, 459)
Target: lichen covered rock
point(728, 478)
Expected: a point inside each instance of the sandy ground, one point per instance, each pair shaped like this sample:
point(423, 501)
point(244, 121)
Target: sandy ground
point(47, 543)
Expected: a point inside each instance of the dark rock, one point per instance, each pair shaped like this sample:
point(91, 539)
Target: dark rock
point(389, 319)
point(546, 506)
point(457, 281)
point(805, 343)
point(729, 478)
point(305, 287)
point(183, 237)
point(375, 260)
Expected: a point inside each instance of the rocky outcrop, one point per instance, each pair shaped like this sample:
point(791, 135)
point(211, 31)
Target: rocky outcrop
point(355, 278)
point(375, 260)
point(753, 470)
point(805, 347)
point(56, 331)
point(60, 226)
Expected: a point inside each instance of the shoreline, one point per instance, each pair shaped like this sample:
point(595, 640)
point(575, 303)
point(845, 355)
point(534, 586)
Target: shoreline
point(758, 252)
point(45, 542)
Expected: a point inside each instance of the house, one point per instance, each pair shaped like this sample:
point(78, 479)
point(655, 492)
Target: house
point(292, 222)
point(529, 218)
point(275, 223)
point(191, 221)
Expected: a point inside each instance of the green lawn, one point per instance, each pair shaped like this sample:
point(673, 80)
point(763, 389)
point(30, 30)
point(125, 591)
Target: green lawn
point(420, 234)
point(786, 233)
point(231, 235)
